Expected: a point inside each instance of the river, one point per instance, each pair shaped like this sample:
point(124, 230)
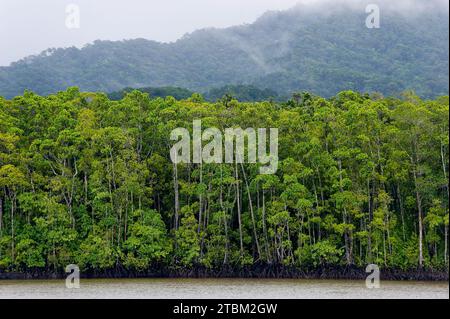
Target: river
point(221, 289)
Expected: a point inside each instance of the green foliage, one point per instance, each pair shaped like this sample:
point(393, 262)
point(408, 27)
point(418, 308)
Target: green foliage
point(324, 52)
point(320, 254)
point(159, 92)
point(148, 242)
point(243, 93)
point(86, 180)
point(187, 248)
point(95, 253)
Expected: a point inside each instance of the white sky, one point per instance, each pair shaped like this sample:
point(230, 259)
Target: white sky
point(31, 26)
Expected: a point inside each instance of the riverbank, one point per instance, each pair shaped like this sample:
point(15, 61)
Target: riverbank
point(258, 272)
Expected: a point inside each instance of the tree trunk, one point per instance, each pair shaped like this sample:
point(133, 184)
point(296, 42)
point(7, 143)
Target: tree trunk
point(12, 230)
point(419, 208)
point(444, 170)
point(384, 244)
point(241, 242)
point(200, 202)
point(266, 239)
point(402, 211)
point(446, 245)
point(225, 221)
point(250, 203)
point(1, 215)
point(347, 236)
point(369, 237)
point(177, 201)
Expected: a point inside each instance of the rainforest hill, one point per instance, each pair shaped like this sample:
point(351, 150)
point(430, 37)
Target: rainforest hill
point(322, 50)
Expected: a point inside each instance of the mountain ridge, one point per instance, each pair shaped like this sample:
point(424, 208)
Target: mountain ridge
point(287, 51)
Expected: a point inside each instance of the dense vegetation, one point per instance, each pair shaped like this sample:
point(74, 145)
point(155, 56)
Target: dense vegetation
point(243, 93)
point(87, 180)
point(323, 50)
point(163, 92)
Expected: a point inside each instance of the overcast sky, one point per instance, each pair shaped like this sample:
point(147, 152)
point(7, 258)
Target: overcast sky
point(31, 26)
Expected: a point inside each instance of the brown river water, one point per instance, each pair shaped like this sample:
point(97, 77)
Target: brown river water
point(221, 289)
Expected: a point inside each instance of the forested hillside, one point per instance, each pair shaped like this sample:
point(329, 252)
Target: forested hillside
point(323, 50)
point(243, 93)
point(89, 181)
point(163, 92)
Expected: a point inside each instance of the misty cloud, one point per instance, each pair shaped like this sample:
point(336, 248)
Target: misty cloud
point(30, 27)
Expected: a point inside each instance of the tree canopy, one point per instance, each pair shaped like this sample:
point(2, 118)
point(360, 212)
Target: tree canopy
point(87, 180)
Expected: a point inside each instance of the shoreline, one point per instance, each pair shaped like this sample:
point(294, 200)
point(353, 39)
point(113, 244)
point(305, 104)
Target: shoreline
point(264, 272)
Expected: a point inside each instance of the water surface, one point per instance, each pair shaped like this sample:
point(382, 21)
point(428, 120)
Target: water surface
point(221, 289)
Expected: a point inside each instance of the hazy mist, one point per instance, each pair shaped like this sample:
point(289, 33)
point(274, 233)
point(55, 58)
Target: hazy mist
point(28, 27)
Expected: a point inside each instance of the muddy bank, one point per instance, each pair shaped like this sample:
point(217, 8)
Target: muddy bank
point(257, 271)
